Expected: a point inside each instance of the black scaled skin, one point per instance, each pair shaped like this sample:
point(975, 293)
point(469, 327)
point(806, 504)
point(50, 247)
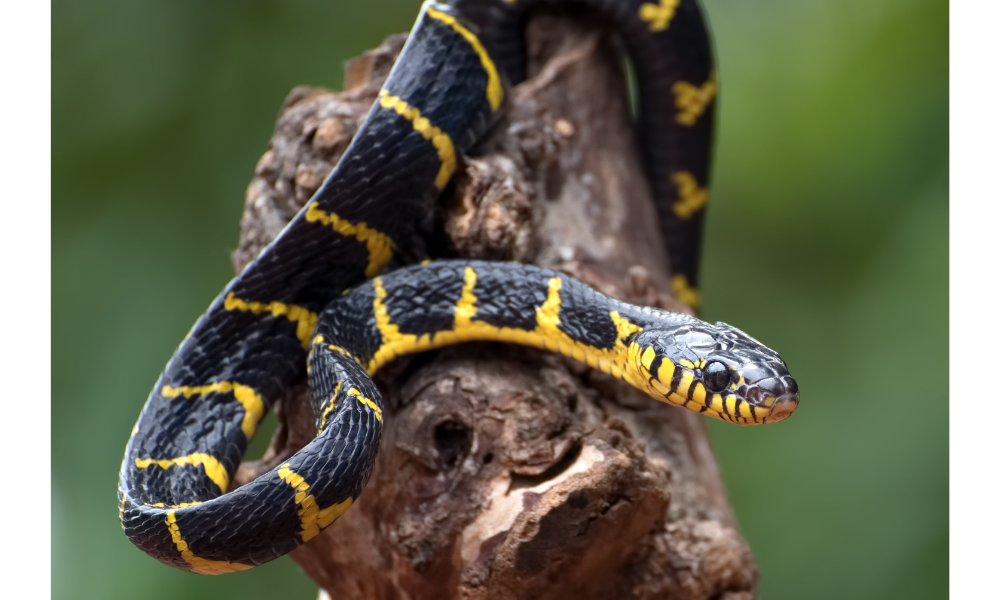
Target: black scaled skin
point(446, 88)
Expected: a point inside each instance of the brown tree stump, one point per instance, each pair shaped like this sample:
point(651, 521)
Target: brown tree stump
point(507, 472)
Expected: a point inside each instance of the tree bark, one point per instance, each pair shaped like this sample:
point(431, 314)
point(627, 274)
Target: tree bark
point(507, 472)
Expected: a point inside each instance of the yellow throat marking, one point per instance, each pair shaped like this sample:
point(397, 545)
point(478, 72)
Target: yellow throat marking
point(692, 100)
point(253, 404)
point(546, 333)
point(688, 393)
point(658, 15)
point(640, 375)
point(439, 139)
point(304, 320)
point(311, 517)
point(198, 564)
point(213, 468)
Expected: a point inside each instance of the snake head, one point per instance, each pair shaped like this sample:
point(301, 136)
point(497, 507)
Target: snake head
point(715, 369)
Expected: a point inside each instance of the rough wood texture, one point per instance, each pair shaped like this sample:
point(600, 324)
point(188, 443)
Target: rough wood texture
point(506, 472)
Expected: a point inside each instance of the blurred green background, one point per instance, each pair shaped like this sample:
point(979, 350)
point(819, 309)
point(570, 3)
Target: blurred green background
point(827, 238)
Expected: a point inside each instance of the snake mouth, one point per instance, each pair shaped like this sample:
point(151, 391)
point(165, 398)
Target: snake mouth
point(781, 395)
point(782, 408)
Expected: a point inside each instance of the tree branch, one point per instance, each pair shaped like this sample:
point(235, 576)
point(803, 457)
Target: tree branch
point(507, 472)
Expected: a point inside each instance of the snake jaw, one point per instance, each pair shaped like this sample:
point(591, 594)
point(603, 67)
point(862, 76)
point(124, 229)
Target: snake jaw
point(782, 409)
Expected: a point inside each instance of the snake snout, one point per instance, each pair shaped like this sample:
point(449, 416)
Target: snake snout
point(785, 392)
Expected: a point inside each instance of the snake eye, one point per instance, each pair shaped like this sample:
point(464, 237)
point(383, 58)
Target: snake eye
point(716, 377)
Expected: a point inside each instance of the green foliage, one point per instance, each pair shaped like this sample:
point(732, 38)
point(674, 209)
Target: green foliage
point(827, 239)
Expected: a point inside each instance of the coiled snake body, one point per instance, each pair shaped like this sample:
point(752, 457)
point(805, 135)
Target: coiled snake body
point(287, 309)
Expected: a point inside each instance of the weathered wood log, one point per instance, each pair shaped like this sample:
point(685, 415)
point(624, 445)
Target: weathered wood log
point(506, 472)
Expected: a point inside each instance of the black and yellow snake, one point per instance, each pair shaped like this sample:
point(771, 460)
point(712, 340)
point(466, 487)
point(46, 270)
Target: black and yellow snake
point(287, 314)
